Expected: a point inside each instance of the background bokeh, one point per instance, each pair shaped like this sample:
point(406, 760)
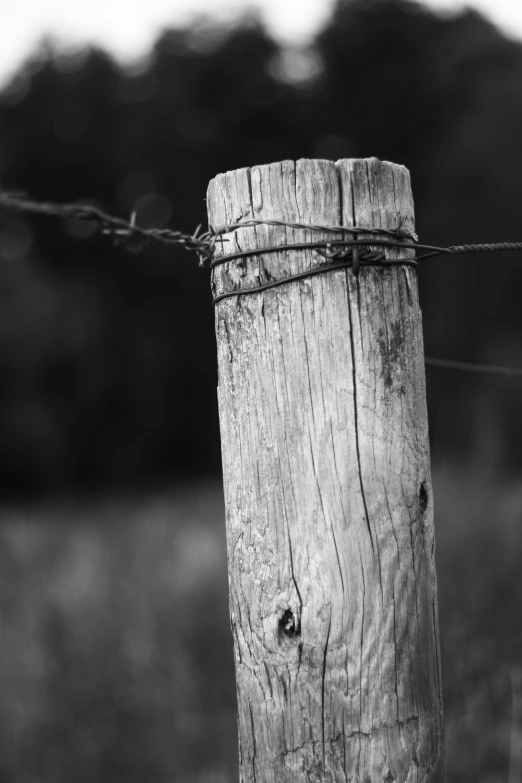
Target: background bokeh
point(115, 649)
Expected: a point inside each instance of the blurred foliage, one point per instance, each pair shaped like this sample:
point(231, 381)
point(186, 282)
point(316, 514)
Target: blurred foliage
point(107, 359)
point(116, 660)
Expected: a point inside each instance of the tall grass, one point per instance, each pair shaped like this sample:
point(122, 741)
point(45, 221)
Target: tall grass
point(116, 656)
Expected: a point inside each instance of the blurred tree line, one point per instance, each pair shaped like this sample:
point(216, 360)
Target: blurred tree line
point(107, 358)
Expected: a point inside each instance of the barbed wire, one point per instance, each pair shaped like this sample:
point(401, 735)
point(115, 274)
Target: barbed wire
point(203, 243)
point(121, 231)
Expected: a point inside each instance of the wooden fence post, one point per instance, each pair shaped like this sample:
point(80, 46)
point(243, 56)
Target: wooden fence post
point(328, 497)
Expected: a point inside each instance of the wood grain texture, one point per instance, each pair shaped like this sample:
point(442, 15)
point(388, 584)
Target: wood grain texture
point(328, 495)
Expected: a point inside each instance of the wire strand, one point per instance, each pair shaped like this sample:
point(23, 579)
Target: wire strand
point(400, 232)
point(121, 231)
point(491, 369)
point(317, 270)
point(204, 244)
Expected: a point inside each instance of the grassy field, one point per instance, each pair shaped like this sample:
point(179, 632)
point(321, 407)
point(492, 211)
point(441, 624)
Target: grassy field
point(115, 648)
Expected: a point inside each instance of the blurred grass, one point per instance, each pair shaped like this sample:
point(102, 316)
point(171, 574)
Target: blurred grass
point(115, 649)
point(478, 521)
point(116, 655)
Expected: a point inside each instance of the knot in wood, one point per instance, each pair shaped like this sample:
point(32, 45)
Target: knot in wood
point(288, 625)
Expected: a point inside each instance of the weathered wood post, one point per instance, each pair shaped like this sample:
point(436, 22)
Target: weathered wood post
point(327, 485)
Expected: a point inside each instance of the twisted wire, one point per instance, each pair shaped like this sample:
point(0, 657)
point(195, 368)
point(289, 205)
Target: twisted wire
point(316, 270)
point(121, 231)
point(345, 252)
point(488, 247)
point(400, 232)
point(322, 247)
point(203, 243)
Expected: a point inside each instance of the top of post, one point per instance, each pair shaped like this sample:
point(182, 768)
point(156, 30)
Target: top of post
point(351, 192)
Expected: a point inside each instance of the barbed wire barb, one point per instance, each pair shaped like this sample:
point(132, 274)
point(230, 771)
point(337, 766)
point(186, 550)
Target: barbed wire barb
point(203, 244)
point(346, 252)
point(121, 231)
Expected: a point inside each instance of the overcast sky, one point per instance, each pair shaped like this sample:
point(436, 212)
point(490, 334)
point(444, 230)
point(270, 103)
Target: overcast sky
point(127, 27)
